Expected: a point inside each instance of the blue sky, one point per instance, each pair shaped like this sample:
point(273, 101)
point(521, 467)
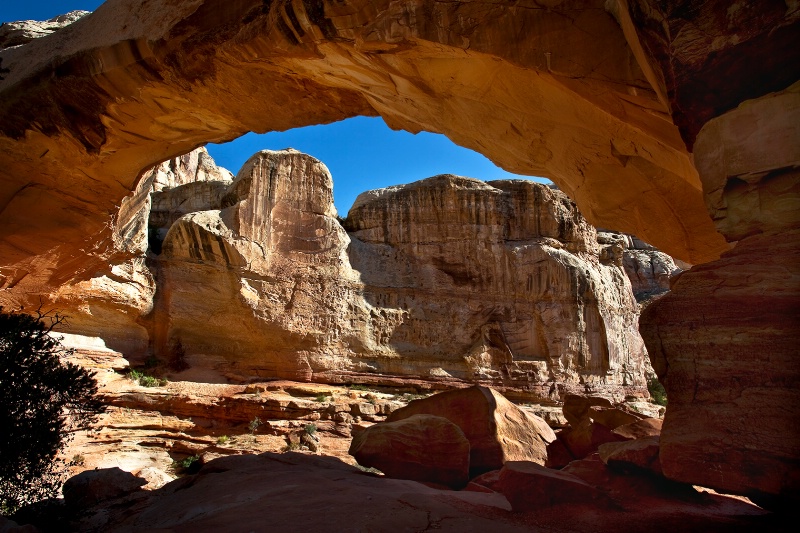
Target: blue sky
point(362, 153)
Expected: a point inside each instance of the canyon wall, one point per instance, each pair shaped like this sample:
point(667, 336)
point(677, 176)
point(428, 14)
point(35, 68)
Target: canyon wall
point(446, 279)
point(651, 115)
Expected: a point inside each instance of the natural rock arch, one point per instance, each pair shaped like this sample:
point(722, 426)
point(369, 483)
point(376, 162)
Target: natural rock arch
point(586, 92)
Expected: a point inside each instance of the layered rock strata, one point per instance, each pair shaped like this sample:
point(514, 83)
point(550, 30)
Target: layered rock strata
point(725, 340)
point(447, 279)
point(608, 98)
point(649, 269)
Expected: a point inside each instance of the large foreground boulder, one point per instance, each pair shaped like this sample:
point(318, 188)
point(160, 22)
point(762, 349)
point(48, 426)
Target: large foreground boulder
point(421, 447)
point(497, 430)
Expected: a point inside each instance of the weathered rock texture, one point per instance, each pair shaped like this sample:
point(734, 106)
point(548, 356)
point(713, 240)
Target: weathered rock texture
point(490, 273)
point(648, 268)
point(420, 447)
point(606, 97)
point(726, 340)
point(497, 430)
point(115, 303)
point(138, 82)
point(448, 278)
point(24, 31)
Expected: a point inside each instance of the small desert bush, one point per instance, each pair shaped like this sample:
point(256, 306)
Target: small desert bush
point(657, 391)
point(254, 425)
point(144, 380)
point(311, 429)
point(223, 439)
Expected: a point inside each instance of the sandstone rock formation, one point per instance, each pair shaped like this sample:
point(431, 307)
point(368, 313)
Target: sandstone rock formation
point(508, 258)
point(607, 98)
point(114, 302)
point(447, 279)
point(141, 91)
point(725, 340)
point(497, 430)
point(648, 268)
point(420, 447)
point(24, 31)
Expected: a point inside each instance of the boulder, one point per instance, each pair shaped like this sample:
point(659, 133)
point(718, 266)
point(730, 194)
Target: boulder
point(532, 487)
point(558, 455)
point(91, 487)
point(420, 447)
point(576, 406)
point(612, 417)
point(638, 453)
point(648, 427)
point(155, 477)
point(497, 430)
point(583, 439)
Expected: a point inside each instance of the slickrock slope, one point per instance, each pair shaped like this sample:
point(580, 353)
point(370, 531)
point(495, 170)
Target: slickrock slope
point(298, 493)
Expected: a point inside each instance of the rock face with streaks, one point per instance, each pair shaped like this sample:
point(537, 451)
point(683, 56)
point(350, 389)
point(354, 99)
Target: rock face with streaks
point(446, 278)
point(502, 279)
point(116, 303)
point(648, 268)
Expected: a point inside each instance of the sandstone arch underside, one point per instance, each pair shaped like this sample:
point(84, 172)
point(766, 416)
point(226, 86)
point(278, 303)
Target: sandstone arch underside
point(609, 98)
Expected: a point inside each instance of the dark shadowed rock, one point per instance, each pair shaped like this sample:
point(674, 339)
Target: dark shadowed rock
point(577, 406)
point(530, 487)
point(639, 453)
point(89, 488)
point(648, 427)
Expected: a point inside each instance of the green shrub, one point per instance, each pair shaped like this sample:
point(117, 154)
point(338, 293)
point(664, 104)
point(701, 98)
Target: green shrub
point(657, 391)
point(189, 461)
point(189, 465)
point(321, 398)
point(223, 439)
point(311, 429)
point(144, 380)
point(254, 425)
point(43, 402)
